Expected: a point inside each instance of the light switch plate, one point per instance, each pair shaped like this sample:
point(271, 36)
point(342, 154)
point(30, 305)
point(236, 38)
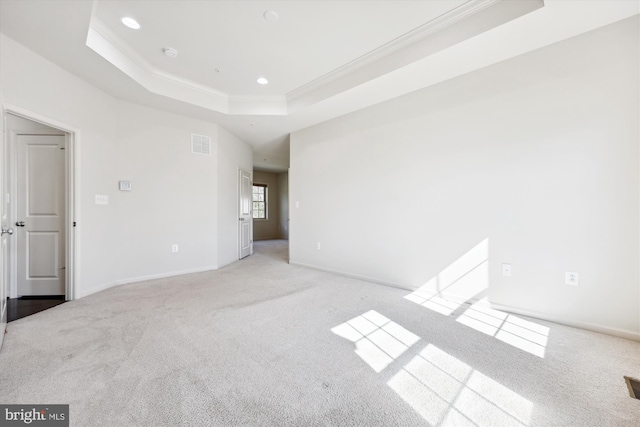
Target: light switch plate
point(124, 185)
point(102, 200)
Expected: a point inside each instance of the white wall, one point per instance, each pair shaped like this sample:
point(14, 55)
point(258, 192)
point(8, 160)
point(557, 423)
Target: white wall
point(264, 229)
point(538, 155)
point(176, 198)
point(233, 155)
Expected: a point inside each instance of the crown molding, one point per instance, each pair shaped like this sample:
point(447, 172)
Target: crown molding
point(419, 33)
point(106, 44)
point(398, 53)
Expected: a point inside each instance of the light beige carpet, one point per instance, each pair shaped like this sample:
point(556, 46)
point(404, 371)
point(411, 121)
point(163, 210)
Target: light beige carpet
point(264, 343)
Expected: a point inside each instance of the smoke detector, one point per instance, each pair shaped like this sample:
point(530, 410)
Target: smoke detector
point(270, 16)
point(170, 52)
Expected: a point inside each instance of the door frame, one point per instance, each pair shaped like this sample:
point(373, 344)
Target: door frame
point(72, 177)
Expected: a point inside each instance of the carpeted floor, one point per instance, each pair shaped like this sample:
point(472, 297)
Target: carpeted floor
point(264, 343)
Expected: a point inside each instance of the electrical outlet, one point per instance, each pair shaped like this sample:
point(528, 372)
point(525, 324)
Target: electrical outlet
point(571, 278)
point(506, 270)
point(174, 248)
point(318, 245)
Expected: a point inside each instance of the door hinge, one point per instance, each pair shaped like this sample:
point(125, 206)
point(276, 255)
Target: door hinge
point(74, 223)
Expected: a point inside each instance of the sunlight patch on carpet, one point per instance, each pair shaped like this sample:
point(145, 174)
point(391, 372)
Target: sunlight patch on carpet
point(378, 340)
point(448, 392)
point(523, 334)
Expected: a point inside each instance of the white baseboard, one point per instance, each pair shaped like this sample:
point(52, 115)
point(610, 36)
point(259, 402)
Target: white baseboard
point(616, 332)
point(81, 293)
point(352, 276)
point(84, 293)
point(607, 330)
point(225, 263)
point(164, 275)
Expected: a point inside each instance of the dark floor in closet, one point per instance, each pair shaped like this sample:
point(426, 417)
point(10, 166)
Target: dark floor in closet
point(17, 308)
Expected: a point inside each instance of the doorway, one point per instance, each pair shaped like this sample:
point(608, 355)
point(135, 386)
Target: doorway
point(270, 205)
point(38, 183)
point(245, 228)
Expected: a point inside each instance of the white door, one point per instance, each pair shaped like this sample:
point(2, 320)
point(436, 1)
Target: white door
point(7, 229)
point(40, 225)
point(245, 217)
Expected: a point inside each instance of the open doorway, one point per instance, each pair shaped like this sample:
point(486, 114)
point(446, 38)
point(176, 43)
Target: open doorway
point(38, 214)
point(270, 205)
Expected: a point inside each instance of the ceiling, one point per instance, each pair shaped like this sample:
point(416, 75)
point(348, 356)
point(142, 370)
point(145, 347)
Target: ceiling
point(322, 59)
point(307, 41)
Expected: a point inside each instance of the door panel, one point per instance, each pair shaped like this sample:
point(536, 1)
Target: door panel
point(246, 233)
point(42, 254)
point(246, 220)
point(41, 206)
point(43, 180)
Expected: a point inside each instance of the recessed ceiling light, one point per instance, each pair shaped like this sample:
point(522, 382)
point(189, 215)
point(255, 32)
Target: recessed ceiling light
point(270, 16)
point(262, 81)
point(130, 22)
point(170, 52)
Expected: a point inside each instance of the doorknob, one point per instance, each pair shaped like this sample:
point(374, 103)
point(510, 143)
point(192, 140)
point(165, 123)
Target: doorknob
point(20, 223)
point(8, 231)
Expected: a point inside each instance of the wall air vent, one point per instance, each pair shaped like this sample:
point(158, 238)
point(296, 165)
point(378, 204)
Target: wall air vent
point(201, 144)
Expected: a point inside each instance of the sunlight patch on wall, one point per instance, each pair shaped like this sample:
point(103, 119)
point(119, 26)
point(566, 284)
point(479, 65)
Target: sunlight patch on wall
point(448, 392)
point(523, 334)
point(378, 340)
point(462, 280)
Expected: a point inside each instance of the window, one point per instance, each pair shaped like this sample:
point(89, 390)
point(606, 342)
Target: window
point(259, 201)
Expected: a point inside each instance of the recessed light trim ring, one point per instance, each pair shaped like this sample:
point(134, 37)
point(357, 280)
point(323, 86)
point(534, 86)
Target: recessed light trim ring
point(130, 22)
